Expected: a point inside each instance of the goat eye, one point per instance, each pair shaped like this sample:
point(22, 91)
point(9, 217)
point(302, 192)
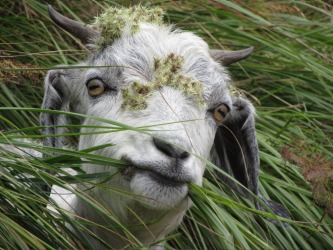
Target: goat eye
point(220, 112)
point(95, 87)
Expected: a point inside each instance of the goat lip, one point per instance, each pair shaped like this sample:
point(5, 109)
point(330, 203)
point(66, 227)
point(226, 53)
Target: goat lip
point(130, 171)
point(163, 180)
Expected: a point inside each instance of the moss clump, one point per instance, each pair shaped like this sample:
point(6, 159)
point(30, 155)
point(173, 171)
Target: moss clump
point(136, 95)
point(167, 73)
point(113, 21)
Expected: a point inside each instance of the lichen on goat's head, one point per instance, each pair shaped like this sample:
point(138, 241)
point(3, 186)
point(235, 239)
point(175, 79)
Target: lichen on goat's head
point(113, 21)
point(167, 73)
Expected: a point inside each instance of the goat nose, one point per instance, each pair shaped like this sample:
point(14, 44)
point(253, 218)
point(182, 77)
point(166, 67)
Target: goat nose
point(170, 150)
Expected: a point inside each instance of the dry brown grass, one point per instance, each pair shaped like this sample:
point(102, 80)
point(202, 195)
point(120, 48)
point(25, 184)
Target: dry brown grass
point(13, 71)
point(316, 169)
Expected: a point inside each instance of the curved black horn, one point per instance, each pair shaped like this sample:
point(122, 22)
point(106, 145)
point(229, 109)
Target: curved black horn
point(77, 29)
point(229, 57)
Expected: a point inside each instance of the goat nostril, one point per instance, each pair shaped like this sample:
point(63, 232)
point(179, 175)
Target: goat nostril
point(184, 155)
point(170, 150)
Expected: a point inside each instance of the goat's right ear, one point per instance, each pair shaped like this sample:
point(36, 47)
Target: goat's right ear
point(56, 96)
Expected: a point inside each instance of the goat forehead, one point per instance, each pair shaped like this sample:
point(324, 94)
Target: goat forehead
point(134, 54)
point(151, 42)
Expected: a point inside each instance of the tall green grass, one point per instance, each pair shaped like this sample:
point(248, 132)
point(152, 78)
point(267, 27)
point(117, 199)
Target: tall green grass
point(288, 78)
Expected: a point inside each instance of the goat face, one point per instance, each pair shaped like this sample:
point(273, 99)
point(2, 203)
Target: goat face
point(156, 76)
point(163, 164)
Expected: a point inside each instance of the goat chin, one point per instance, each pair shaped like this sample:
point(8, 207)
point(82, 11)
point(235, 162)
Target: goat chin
point(154, 220)
point(146, 207)
point(159, 196)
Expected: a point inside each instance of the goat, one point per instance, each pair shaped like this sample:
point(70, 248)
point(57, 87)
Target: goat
point(157, 75)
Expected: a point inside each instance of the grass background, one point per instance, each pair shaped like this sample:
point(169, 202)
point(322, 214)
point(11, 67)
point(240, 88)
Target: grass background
point(288, 78)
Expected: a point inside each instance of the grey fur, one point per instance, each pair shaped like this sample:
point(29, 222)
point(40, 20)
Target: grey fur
point(236, 147)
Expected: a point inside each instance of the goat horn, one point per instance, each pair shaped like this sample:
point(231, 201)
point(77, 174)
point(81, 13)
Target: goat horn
point(77, 29)
point(229, 57)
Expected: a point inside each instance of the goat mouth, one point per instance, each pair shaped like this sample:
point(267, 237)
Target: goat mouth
point(129, 172)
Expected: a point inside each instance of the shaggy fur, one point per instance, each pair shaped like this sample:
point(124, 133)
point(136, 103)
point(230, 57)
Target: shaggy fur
point(158, 173)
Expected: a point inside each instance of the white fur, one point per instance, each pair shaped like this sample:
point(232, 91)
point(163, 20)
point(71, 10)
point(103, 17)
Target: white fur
point(135, 54)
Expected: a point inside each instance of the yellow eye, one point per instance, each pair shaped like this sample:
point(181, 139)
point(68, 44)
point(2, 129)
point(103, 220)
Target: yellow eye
point(95, 87)
point(220, 112)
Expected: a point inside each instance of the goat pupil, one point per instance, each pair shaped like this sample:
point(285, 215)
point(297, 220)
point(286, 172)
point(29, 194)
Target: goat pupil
point(221, 112)
point(94, 87)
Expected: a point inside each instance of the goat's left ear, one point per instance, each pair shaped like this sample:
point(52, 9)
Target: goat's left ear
point(235, 147)
point(236, 152)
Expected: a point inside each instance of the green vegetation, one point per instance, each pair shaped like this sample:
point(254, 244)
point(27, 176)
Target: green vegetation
point(288, 78)
point(113, 20)
point(167, 73)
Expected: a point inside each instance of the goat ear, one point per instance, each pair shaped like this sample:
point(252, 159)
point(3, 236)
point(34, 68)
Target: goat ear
point(236, 149)
point(236, 152)
point(55, 98)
